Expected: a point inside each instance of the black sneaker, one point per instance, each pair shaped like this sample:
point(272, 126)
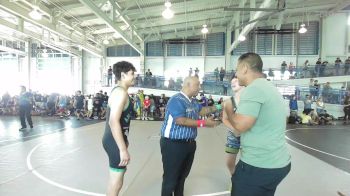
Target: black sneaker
point(22, 128)
point(31, 126)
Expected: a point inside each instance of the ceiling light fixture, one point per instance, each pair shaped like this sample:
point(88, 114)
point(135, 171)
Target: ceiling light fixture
point(204, 29)
point(167, 13)
point(105, 41)
point(302, 28)
point(241, 38)
point(35, 14)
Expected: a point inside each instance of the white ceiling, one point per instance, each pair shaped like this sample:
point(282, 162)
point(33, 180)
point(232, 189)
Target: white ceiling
point(88, 22)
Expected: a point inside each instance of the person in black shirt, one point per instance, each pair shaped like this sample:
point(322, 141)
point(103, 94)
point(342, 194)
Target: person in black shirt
point(79, 105)
point(25, 108)
point(210, 101)
point(110, 76)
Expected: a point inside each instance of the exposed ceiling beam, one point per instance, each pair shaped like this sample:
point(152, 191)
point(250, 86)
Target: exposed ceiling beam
point(38, 37)
point(236, 15)
point(200, 15)
point(90, 4)
point(177, 7)
point(76, 5)
point(184, 34)
point(289, 20)
point(45, 24)
point(249, 27)
point(340, 5)
point(167, 28)
point(123, 18)
point(252, 9)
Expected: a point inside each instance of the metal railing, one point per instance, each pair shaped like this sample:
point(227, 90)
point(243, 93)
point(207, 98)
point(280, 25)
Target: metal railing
point(333, 96)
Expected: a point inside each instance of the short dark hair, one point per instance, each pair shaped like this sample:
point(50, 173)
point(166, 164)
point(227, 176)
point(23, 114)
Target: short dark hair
point(253, 60)
point(122, 67)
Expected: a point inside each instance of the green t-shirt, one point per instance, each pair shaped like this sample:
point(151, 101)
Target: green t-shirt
point(264, 144)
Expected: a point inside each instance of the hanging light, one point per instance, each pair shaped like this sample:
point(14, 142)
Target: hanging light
point(35, 14)
point(167, 13)
point(204, 29)
point(105, 41)
point(302, 28)
point(116, 35)
point(241, 38)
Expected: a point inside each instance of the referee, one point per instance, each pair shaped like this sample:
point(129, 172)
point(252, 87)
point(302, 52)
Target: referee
point(178, 134)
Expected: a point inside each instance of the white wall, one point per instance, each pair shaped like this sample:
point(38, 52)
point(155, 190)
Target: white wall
point(91, 73)
point(334, 37)
point(155, 64)
point(133, 60)
point(275, 61)
point(179, 66)
point(211, 62)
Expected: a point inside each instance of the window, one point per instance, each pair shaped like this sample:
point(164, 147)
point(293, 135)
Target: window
point(194, 49)
point(122, 50)
point(174, 49)
point(154, 49)
point(264, 44)
point(216, 44)
point(308, 42)
point(245, 46)
point(284, 41)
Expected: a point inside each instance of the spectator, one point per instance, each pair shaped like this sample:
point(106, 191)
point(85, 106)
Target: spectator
point(146, 108)
point(323, 68)
point(216, 73)
point(138, 80)
point(225, 87)
point(306, 68)
point(220, 100)
point(317, 89)
point(346, 109)
point(307, 103)
point(283, 68)
point(210, 101)
point(162, 105)
point(306, 118)
point(222, 74)
point(79, 105)
point(271, 74)
point(196, 72)
point(293, 104)
point(110, 75)
point(319, 106)
point(25, 108)
point(327, 92)
point(203, 100)
point(317, 67)
point(347, 66)
point(171, 84)
point(148, 77)
point(190, 72)
point(291, 68)
point(337, 66)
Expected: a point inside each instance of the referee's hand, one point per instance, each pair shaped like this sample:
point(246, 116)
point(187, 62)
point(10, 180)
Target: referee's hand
point(210, 122)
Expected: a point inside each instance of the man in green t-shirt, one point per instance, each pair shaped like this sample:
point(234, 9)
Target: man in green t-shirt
point(261, 120)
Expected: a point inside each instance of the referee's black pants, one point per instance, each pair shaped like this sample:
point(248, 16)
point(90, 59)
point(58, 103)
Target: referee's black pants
point(177, 158)
point(25, 113)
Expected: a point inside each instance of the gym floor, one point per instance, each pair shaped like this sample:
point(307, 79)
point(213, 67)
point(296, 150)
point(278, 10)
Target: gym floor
point(66, 157)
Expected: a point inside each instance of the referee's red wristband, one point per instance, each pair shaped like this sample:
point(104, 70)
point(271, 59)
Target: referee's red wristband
point(200, 123)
